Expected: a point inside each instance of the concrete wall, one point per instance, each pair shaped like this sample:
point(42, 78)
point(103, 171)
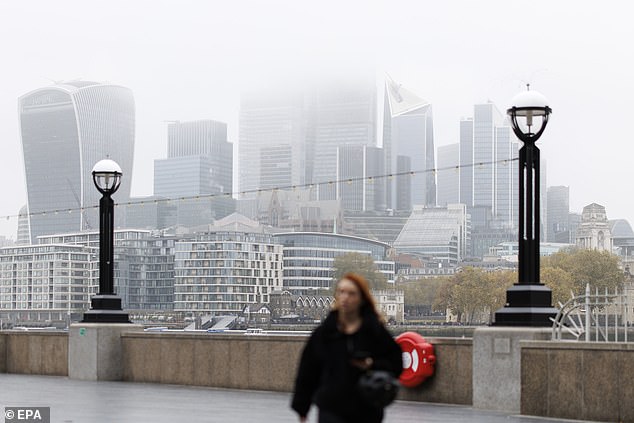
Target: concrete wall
point(3, 353)
point(452, 379)
point(41, 353)
point(578, 380)
point(268, 363)
point(237, 361)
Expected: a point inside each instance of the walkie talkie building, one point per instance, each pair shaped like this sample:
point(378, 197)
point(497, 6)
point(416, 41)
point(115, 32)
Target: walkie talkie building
point(65, 129)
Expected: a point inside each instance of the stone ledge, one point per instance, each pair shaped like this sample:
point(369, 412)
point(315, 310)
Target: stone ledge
point(577, 345)
point(34, 332)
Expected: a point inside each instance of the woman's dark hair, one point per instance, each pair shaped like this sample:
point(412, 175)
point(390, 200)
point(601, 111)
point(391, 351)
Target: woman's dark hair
point(367, 300)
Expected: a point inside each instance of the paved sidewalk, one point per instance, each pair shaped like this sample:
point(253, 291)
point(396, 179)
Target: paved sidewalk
point(74, 401)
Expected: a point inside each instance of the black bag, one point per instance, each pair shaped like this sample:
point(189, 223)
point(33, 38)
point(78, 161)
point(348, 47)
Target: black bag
point(378, 387)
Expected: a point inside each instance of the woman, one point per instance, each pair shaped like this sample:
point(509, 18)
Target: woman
point(351, 340)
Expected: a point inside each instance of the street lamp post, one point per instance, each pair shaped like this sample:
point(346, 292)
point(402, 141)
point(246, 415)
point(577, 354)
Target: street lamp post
point(105, 307)
point(528, 302)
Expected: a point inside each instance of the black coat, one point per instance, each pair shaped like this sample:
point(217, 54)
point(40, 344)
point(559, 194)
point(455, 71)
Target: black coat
point(326, 375)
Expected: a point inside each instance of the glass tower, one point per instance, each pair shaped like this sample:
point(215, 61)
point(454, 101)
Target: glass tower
point(408, 140)
point(199, 164)
point(66, 129)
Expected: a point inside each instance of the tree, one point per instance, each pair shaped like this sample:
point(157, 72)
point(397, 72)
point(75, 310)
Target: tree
point(499, 283)
point(560, 282)
point(474, 294)
point(422, 293)
point(362, 264)
point(598, 268)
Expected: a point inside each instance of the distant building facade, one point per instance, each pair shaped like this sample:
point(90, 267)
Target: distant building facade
point(309, 259)
point(47, 283)
point(558, 228)
point(391, 304)
point(436, 233)
point(287, 307)
point(296, 210)
point(143, 265)
point(448, 175)
point(219, 273)
point(594, 231)
point(489, 182)
point(380, 226)
point(623, 242)
point(152, 212)
point(272, 143)
point(360, 169)
point(488, 175)
point(408, 141)
point(199, 167)
point(290, 135)
point(77, 123)
point(341, 113)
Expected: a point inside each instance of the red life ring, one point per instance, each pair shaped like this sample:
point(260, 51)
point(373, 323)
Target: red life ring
point(418, 359)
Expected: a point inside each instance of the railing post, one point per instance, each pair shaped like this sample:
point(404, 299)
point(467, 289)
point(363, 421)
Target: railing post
point(587, 312)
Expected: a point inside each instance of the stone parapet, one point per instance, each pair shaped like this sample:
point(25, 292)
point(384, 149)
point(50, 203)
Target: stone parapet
point(578, 380)
point(95, 351)
point(269, 362)
point(452, 379)
point(496, 365)
point(260, 362)
point(34, 352)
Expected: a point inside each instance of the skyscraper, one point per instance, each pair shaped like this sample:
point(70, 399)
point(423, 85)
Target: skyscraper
point(199, 164)
point(341, 113)
point(408, 140)
point(558, 229)
point(488, 176)
point(448, 175)
point(290, 135)
point(358, 168)
point(65, 129)
point(272, 143)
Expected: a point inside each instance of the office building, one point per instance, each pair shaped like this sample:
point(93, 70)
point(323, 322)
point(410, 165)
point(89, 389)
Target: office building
point(272, 143)
point(65, 130)
point(558, 200)
point(441, 234)
point(340, 113)
point(309, 259)
point(408, 141)
point(290, 135)
point(448, 175)
point(379, 226)
point(198, 172)
point(489, 178)
point(152, 212)
point(488, 173)
point(360, 169)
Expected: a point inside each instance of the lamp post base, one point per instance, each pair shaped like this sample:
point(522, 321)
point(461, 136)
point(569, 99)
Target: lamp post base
point(105, 309)
point(526, 305)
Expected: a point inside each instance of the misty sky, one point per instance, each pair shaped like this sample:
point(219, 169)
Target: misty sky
point(187, 60)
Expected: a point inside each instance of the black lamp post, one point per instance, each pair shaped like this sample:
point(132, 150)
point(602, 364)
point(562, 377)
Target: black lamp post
point(528, 302)
point(105, 307)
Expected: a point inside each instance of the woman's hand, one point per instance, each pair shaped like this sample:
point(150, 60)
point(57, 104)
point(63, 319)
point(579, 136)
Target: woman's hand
point(362, 363)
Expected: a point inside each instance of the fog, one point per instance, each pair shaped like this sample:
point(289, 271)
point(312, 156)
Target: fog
point(188, 60)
